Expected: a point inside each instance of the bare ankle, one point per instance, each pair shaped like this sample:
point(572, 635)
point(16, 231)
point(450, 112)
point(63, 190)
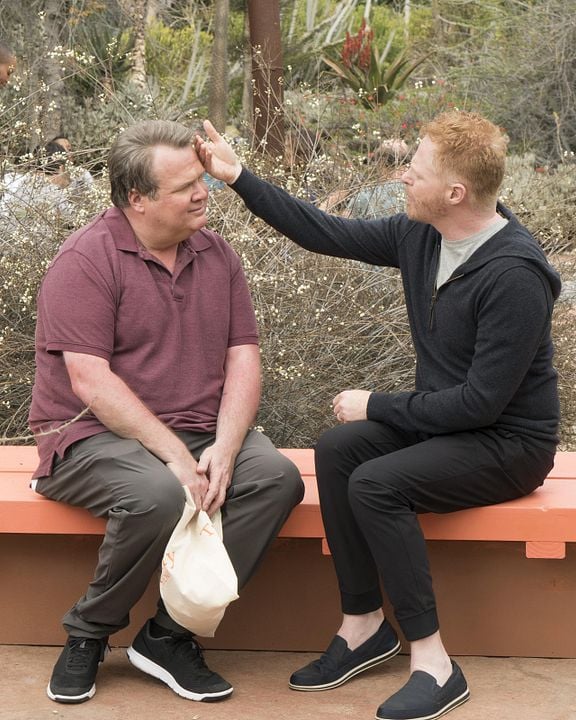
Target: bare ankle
point(430, 656)
point(356, 629)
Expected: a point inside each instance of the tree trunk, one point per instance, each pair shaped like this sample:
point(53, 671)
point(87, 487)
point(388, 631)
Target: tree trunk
point(54, 28)
point(267, 71)
point(137, 11)
point(247, 93)
point(218, 99)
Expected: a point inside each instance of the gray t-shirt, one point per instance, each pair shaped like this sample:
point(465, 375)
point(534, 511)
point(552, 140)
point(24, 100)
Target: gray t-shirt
point(454, 253)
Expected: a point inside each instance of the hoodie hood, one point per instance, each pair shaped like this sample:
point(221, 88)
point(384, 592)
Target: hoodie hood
point(514, 241)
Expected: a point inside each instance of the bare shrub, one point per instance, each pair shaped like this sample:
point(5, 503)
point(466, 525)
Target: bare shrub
point(543, 199)
point(326, 324)
point(564, 323)
point(29, 238)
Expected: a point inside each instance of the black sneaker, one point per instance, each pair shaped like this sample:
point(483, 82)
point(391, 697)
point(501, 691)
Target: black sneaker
point(423, 699)
point(74, 675)
point(338, 664)
point(177, 660)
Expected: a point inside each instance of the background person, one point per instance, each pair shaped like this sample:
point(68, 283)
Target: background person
point(145, 318)
point(80, 178)
point(479, 428)
point(7, 63)
point(40, 195)
point(384, 193)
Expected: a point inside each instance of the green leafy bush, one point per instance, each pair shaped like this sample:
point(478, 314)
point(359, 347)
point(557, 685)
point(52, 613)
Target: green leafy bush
point(373, 75)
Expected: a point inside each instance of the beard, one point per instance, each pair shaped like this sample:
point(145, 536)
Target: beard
point(426, 210)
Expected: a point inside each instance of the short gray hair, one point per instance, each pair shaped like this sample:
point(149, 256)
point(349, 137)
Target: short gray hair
point(130, 157)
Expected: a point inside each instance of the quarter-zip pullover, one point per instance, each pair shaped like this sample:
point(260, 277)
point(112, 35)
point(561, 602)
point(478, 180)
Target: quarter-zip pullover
point(482, 340)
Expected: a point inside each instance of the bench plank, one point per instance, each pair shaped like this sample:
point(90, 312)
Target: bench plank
point(544, 520)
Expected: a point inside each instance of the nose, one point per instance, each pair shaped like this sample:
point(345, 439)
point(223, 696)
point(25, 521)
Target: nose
point(199, 190)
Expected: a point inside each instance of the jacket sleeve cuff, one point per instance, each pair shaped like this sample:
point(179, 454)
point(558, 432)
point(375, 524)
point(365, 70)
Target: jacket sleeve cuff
point(376, 407)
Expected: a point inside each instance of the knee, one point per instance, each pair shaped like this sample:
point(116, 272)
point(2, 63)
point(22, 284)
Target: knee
point(332, 442)
point(169, 500)
point(288, 484)
point(333, 456)
point(367, 489)
point(160, 501)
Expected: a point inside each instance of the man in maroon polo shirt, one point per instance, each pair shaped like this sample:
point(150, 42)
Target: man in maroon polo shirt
point(145, 318)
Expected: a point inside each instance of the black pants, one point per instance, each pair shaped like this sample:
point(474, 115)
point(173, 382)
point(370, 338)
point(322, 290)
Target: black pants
point(373, 481)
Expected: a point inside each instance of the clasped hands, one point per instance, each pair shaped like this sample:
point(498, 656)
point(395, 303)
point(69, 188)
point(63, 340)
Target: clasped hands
point(208, 478)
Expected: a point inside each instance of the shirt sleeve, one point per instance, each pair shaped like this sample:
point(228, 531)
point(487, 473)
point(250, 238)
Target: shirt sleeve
point(79, 306)
point(243, 325)
point(371, 241)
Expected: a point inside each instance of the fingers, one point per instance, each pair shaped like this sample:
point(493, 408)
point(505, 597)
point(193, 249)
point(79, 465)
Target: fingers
point(211, 131)
point(337, 408)
point(211, 505)
point(214, 498)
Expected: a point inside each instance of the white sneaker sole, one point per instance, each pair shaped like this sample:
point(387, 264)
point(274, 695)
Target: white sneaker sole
point(71, 699)
point(452, 705)
point(160, 673)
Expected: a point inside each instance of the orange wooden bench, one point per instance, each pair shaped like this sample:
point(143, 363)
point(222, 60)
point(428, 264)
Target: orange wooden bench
point(545, 520)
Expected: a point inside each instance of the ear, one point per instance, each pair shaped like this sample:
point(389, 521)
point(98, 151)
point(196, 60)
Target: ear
point(136, 200)
point(457, 193)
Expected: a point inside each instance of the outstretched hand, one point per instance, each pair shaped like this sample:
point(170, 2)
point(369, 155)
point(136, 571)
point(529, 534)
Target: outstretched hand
point(217, 156)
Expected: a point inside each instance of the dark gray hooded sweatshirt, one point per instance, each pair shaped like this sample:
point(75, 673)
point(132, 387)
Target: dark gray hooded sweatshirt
point(482, 341)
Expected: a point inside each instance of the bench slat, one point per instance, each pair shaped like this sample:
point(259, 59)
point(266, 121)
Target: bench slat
point(544, 520)
point(24, 458)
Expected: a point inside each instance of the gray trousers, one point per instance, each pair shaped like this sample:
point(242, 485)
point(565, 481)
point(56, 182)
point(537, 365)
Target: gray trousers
point(143, 500)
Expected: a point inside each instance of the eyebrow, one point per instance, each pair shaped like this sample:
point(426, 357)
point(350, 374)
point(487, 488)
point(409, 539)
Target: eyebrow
point(187, 184)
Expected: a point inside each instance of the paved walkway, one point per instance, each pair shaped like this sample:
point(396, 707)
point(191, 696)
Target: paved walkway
point(502, 689)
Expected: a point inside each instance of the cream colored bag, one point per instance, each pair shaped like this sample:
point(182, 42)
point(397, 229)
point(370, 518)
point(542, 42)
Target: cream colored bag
point(198, 581)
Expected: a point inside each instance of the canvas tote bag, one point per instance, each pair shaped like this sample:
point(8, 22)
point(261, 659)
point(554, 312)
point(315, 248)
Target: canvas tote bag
point(198, 581)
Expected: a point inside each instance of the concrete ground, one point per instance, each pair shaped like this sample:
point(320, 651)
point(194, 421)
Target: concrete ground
point(502, 689)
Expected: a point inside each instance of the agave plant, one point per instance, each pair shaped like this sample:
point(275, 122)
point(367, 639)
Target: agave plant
point(373, 75)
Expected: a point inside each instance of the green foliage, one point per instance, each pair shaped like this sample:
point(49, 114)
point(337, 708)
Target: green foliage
point(374, 76)
point(169, 52)
point(101, 59)
point(514, 60)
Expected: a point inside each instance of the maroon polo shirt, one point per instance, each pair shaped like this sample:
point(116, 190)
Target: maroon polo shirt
point(165, 334)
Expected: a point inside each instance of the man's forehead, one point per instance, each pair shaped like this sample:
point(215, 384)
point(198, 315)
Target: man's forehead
point(174, 153)
point(425, 152)
point(166, 160)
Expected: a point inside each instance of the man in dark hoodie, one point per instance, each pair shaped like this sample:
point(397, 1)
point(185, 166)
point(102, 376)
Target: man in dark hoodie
point(479, 428)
